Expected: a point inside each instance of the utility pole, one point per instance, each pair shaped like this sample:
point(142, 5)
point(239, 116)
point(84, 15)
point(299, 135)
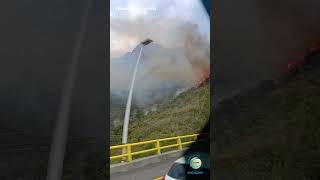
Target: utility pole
point(128, 106)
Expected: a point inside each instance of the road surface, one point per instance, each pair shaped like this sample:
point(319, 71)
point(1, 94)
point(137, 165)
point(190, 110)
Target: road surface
point(146, 173)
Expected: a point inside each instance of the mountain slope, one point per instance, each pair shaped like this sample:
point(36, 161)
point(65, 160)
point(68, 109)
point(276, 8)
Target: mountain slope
point(185, 114)
point(270, 133)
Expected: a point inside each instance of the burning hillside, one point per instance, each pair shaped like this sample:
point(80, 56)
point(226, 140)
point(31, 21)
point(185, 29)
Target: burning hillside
point(191, 106)
point(296, 64)
point(203, 78)
point(276, 127)
point(166, 66)
point(255, 39)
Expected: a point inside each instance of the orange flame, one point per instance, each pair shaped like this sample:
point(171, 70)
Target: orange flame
point(203, 78)
point(292, 65)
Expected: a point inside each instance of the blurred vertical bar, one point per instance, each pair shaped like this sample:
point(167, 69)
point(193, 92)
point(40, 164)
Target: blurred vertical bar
point(58, 146)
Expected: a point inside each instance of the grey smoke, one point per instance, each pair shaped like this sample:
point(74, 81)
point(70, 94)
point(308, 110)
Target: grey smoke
point(176, 59)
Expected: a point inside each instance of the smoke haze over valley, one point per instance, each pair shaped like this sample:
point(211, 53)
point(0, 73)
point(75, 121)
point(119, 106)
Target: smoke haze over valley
point(176, 59)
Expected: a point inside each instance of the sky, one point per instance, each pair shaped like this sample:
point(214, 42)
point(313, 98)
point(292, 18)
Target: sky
point(154, 13)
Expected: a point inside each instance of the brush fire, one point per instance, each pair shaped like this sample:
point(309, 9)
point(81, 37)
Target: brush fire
point(295, 65)
point(203, 78)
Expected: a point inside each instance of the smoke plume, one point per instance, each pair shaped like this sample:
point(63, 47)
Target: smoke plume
point(175, 60)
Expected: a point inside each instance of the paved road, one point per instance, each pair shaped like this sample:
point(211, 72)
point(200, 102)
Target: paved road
point(146, 173)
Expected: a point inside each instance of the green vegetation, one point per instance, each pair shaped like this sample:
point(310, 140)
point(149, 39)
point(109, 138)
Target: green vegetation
point(270, 133)
point(185, 114)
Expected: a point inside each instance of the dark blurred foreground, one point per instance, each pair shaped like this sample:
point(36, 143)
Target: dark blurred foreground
point(37, 39)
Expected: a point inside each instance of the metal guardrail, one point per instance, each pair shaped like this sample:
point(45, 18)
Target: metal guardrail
point(157, 149)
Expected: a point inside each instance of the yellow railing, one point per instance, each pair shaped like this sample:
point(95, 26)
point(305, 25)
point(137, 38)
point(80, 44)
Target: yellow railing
point(159, 178)
point(158, 146)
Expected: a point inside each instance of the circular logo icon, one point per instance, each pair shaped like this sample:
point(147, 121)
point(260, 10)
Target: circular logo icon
point(195, 163)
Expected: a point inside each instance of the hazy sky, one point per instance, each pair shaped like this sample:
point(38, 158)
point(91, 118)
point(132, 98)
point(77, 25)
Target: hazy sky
point(129, 14)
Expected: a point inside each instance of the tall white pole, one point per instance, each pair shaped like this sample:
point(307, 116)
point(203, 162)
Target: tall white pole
point(58, 146)
point(128, 107)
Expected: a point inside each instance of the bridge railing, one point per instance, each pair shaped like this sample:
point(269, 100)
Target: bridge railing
point(155, 147)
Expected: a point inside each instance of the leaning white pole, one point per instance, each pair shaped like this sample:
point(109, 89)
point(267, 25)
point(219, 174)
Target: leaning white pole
point(58, 146)
point(128, 107)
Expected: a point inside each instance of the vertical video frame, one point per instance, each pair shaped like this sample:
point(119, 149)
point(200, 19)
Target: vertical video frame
point(159, 90)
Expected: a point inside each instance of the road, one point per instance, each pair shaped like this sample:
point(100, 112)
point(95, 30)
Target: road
point(146, 173)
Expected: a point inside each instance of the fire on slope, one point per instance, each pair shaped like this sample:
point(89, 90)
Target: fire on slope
point(205, 76)
point(295, 65)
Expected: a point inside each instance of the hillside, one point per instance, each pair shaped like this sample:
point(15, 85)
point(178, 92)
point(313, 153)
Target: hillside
point(150, 102)
point(270, 133)
point(185, 114)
